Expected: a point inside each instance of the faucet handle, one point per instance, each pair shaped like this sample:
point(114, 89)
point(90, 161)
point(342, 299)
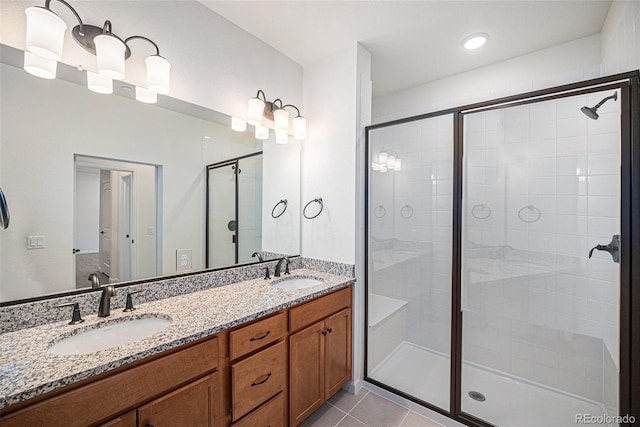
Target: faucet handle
point(266, 273)
point(129, 305)
point(286, 267)
point(75, 317)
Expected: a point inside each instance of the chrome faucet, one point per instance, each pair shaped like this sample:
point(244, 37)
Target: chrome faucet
point(279, 266)
point(258, 255)
point(104, 309)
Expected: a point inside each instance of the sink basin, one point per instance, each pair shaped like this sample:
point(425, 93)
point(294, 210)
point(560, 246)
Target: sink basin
point(296, 282)
point(109, 335)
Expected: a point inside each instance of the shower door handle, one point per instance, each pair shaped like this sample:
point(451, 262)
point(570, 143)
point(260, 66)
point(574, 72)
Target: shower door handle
point(613, 248)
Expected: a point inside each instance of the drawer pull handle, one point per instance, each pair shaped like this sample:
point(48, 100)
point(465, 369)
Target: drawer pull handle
point(329, 330)
point(260, 338)
point(324, 333)
point(255, 383)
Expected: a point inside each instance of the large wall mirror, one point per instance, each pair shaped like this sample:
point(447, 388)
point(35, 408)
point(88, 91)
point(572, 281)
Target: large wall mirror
point(103, 188)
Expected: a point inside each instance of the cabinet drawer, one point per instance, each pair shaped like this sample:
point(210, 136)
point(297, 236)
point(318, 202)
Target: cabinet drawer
point(257, 335)
point(319, 308)
point(257, 378)
point(271, 414)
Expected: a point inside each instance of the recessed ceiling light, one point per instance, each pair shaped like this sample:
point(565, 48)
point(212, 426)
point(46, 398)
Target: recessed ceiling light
point(475, 41)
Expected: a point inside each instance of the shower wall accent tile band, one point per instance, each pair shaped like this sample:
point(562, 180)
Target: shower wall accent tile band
point(36, 313)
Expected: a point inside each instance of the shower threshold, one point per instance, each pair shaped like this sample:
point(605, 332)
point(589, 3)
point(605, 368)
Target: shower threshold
point(509, 401)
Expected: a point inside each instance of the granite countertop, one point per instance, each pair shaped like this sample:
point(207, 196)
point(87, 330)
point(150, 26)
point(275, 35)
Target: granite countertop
point(27, 369)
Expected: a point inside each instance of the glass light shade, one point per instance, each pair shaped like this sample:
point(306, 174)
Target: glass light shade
point(255, 111)
point(383, 168)
point(391, 161)
point(282, 137)
point(98, 83)
point(262, 132)
point(45, 33)
point(382, 158)
point(375, 166)
point(145, 95)
point(238, 124)
point(281, 119)
point(40, 67)
point(398, 165)
point(299, 128)
point(158, 70)
point(110, 56)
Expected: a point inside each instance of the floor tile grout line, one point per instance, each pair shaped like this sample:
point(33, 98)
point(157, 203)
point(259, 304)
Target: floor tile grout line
point(357, 403)
point(405, 417)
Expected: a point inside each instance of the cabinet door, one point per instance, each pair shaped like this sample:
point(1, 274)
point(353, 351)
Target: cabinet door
point(306, 372)
point(196, 405)
point(124, 420)
point(337, 351)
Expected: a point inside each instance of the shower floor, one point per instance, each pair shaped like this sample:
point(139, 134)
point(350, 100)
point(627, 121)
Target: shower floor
point(425, 374)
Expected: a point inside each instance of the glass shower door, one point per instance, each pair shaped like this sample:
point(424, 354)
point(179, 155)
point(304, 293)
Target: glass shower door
point(409, 239)
point(540, 307)
point(221, 218)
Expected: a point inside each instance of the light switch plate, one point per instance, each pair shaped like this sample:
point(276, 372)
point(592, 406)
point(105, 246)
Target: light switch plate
point(183, 259)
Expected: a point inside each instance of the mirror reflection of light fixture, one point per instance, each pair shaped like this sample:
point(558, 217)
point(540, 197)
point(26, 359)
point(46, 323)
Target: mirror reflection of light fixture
point(145, 95)
point(261, 112)
point(45, 39)
point(238, 124)
point(39, 66)
point(99, 83)
point(387, 162)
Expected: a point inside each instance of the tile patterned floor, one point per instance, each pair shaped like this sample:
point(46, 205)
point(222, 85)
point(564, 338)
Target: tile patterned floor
point(364, 409)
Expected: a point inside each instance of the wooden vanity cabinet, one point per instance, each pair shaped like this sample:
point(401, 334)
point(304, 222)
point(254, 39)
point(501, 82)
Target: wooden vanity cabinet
point(155, 389)
point(319, 354)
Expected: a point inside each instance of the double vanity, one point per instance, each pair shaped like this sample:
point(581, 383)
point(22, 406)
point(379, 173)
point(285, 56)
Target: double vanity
point(256, 352)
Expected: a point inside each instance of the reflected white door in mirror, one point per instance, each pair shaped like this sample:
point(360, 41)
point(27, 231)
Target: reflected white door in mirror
point(115, 220)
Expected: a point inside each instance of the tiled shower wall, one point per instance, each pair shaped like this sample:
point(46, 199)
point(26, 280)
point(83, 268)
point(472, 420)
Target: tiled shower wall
point(547, 325)
point(417, 203)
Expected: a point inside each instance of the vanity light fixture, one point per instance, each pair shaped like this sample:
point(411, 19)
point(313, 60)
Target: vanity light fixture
point(45, 42)
point(387, 161)
point(474, 41)
point(261, 112)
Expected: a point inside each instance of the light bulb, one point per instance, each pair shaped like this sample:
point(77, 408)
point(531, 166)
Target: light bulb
point(398, 165)
point(262, 132)
point(40, 67)
point(281, 119)
point(475, 41)
point(300, 128)
point(255, 111)
point(145, 95)
point(238, 124)
point(98, 83)
point(158, 74)
point(45, 33)
point(110, 56)
point(382, 158)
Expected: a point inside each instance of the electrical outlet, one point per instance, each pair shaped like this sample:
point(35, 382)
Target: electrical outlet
point(183, 259)
point(35, 242)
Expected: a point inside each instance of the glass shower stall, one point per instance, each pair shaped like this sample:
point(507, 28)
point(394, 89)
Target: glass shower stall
point(500, 249)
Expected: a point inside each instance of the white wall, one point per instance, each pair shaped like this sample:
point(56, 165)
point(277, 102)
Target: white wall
point(329, 155)
point(621, 38)
point(569, 62)
point(215, 64)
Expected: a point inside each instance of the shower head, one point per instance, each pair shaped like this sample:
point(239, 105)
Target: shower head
point(592, 112)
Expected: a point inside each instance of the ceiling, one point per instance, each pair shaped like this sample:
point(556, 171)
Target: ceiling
point(414, 42)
